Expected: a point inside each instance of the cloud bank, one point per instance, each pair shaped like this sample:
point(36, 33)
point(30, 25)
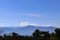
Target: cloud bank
point(22, 24)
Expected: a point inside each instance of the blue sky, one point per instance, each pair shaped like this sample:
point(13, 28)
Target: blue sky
point(34, 12)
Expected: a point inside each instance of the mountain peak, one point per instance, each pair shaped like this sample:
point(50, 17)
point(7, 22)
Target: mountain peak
point(30, 26)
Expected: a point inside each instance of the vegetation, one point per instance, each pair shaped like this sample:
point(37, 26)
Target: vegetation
point(37, 35)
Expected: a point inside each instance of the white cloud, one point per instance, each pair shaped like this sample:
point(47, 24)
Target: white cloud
point(34, 15)
point(22, 24)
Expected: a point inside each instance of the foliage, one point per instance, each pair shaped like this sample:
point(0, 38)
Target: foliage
point(37, 35)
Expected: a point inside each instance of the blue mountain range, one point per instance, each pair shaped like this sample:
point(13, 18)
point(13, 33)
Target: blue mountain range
point(28, 30)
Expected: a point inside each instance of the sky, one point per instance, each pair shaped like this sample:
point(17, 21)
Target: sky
point(30, 12)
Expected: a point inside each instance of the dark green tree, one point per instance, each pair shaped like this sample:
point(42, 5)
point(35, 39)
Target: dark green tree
point(41, 35)
point(14, 36)
point(36, 35)
point(57, 31)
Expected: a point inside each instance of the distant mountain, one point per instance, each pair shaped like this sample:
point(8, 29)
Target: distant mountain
point(28, 30)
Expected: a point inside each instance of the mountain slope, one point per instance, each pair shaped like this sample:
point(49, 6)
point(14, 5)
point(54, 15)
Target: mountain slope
point(28, 30)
